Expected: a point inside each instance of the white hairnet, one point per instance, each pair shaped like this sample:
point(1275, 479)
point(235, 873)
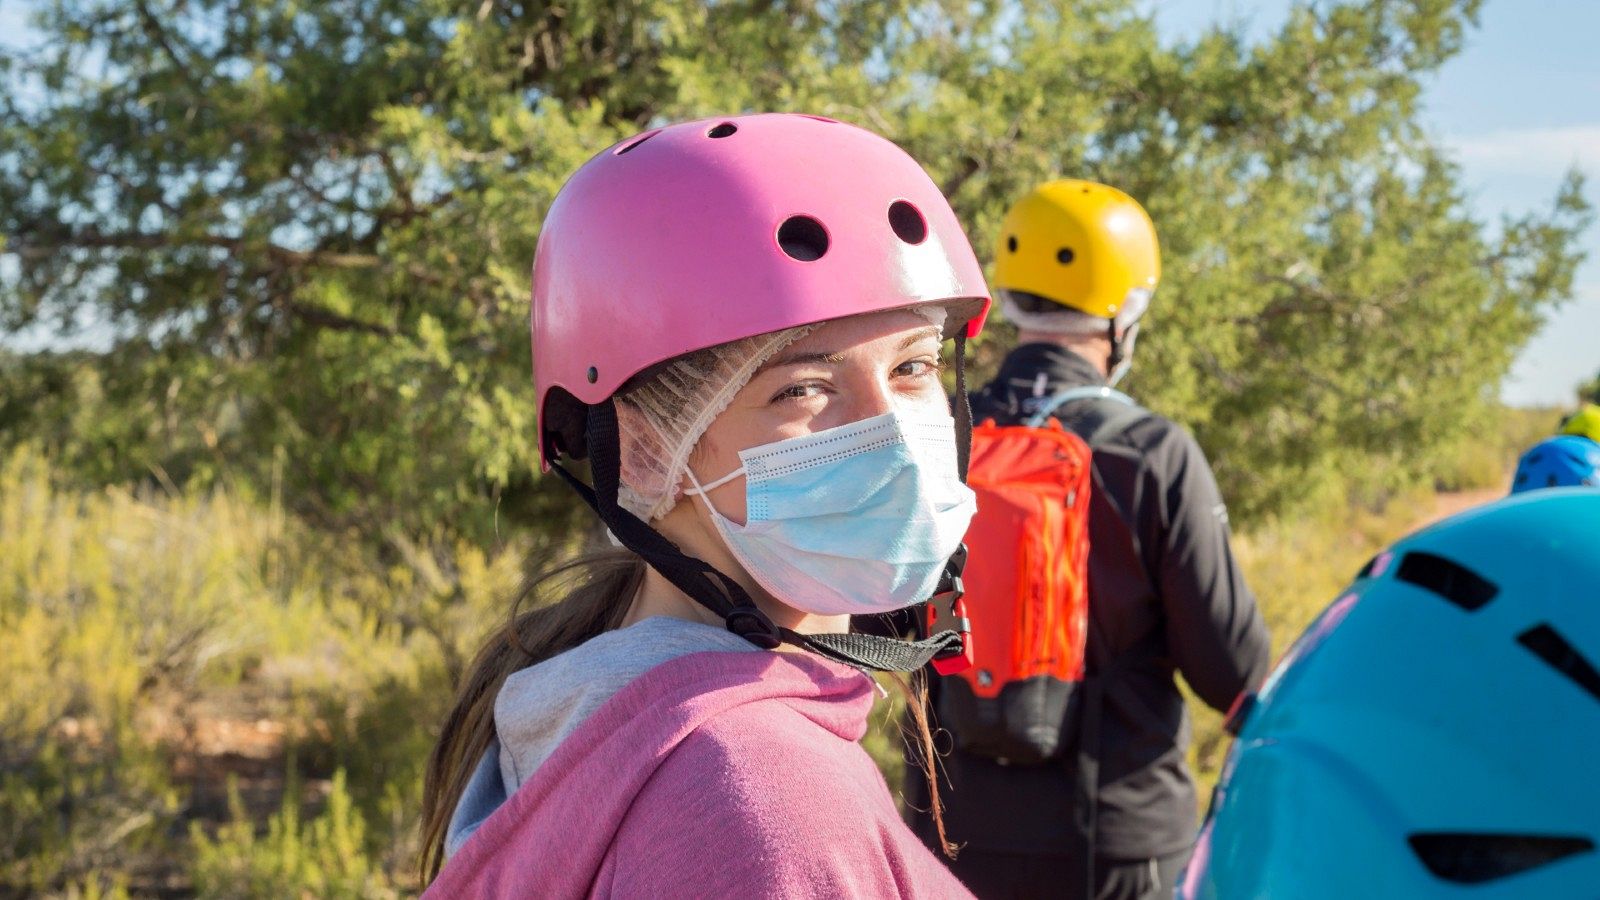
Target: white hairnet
point(662, 419)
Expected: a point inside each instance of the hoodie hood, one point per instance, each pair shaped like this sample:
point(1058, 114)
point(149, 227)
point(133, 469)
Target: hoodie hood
point(541, 706)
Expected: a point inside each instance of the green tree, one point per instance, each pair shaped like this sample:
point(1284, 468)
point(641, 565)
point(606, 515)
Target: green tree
point(307, 227)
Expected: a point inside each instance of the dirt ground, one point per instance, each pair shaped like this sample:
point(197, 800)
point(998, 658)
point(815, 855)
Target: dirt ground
point(1447, 505)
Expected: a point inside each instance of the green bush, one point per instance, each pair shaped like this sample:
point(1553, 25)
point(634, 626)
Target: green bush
point(76, 804)
point(1485, 458)
point(131, 618)
point(326, 857)
point(92, 625)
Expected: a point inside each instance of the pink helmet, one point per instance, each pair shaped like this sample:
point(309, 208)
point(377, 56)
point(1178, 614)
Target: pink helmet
point(701, 233)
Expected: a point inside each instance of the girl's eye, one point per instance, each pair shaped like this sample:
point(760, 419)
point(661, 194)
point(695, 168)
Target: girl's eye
point(798, 391)
point(915, 368)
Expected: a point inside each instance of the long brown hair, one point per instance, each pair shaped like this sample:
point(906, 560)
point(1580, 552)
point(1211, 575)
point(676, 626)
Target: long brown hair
point(917, 733)
point(599, 586)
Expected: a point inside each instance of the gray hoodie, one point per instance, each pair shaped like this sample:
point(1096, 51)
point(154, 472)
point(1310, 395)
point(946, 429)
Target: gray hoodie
point(541, 705)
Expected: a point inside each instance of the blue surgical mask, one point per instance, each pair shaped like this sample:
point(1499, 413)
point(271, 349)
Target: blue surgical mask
point(856, 519)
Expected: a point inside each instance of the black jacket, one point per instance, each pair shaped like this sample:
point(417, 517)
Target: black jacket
point(1166, 596)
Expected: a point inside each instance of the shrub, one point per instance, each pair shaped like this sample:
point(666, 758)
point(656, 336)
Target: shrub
point(323, 858)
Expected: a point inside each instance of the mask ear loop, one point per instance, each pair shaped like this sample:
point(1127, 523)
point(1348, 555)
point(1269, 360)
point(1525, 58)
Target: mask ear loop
point(703, 493)
point(702, 490)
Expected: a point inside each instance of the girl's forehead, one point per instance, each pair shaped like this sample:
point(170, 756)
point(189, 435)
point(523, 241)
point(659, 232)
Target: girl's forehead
point(840, 335)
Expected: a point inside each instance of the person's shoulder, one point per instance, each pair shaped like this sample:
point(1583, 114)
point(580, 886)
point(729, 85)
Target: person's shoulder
point(777, 736)
point(778, 801)
point(1147, 431)
point(754, 751)
point(1162, 448)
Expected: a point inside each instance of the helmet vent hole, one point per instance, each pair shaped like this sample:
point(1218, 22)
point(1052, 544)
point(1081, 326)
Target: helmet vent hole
point(907, 222)
point(627, 148)
point(1011, 243)
point(1476, 858)
point(803, 238)
point(723, 130)
point(1548, 644)
point(593, 374)
point(1452, 581)
point(1065, 255)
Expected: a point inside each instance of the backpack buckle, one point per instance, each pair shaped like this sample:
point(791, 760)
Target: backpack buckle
point(945, 616)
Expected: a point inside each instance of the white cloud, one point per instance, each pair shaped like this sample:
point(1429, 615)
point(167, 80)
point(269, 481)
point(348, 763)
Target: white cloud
point(1531, 149)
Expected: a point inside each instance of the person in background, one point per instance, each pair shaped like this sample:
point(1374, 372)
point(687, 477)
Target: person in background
point(1583, 423)
point(1077, 264)
point(1565, 460)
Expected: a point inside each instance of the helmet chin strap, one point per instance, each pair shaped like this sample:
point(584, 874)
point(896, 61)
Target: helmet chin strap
point(1121, 358)
point(714, 590)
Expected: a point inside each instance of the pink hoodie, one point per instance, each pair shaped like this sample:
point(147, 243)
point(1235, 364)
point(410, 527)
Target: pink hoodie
point(712, 775)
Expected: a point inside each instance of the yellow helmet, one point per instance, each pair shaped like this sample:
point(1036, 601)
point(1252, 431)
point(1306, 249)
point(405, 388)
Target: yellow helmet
point(1080, 244)
point(1584, 423)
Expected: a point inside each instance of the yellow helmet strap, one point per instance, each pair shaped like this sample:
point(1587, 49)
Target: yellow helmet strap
point(1121, 359)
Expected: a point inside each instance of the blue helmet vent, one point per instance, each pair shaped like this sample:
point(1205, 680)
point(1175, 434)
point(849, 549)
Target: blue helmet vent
point(1548, 644)
point(1476, 858)
point(1452, 581)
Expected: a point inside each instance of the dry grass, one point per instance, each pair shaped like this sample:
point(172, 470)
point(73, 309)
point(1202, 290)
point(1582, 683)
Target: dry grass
point(184, 679)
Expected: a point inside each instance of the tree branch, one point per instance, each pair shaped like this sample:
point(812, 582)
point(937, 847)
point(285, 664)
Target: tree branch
point(153, 30)
point(325, 318)
point(974, 165)
point(93, 240)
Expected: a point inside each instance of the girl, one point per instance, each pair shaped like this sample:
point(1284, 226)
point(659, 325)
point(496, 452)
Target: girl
point(738, 322)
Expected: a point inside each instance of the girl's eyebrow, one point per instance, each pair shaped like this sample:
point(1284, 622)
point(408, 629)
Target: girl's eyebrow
point(920, 334)
point(837, 356)
point(791, 359)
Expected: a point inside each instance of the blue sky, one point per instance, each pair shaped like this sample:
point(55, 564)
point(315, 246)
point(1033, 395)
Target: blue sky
point(11, 18)
point(1518, 108)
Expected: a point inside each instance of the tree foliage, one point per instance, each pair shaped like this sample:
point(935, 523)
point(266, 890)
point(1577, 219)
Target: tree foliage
point(305, 229)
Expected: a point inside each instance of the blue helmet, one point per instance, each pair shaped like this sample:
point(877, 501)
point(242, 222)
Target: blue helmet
point(1563, 461)
point(1436, 732)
